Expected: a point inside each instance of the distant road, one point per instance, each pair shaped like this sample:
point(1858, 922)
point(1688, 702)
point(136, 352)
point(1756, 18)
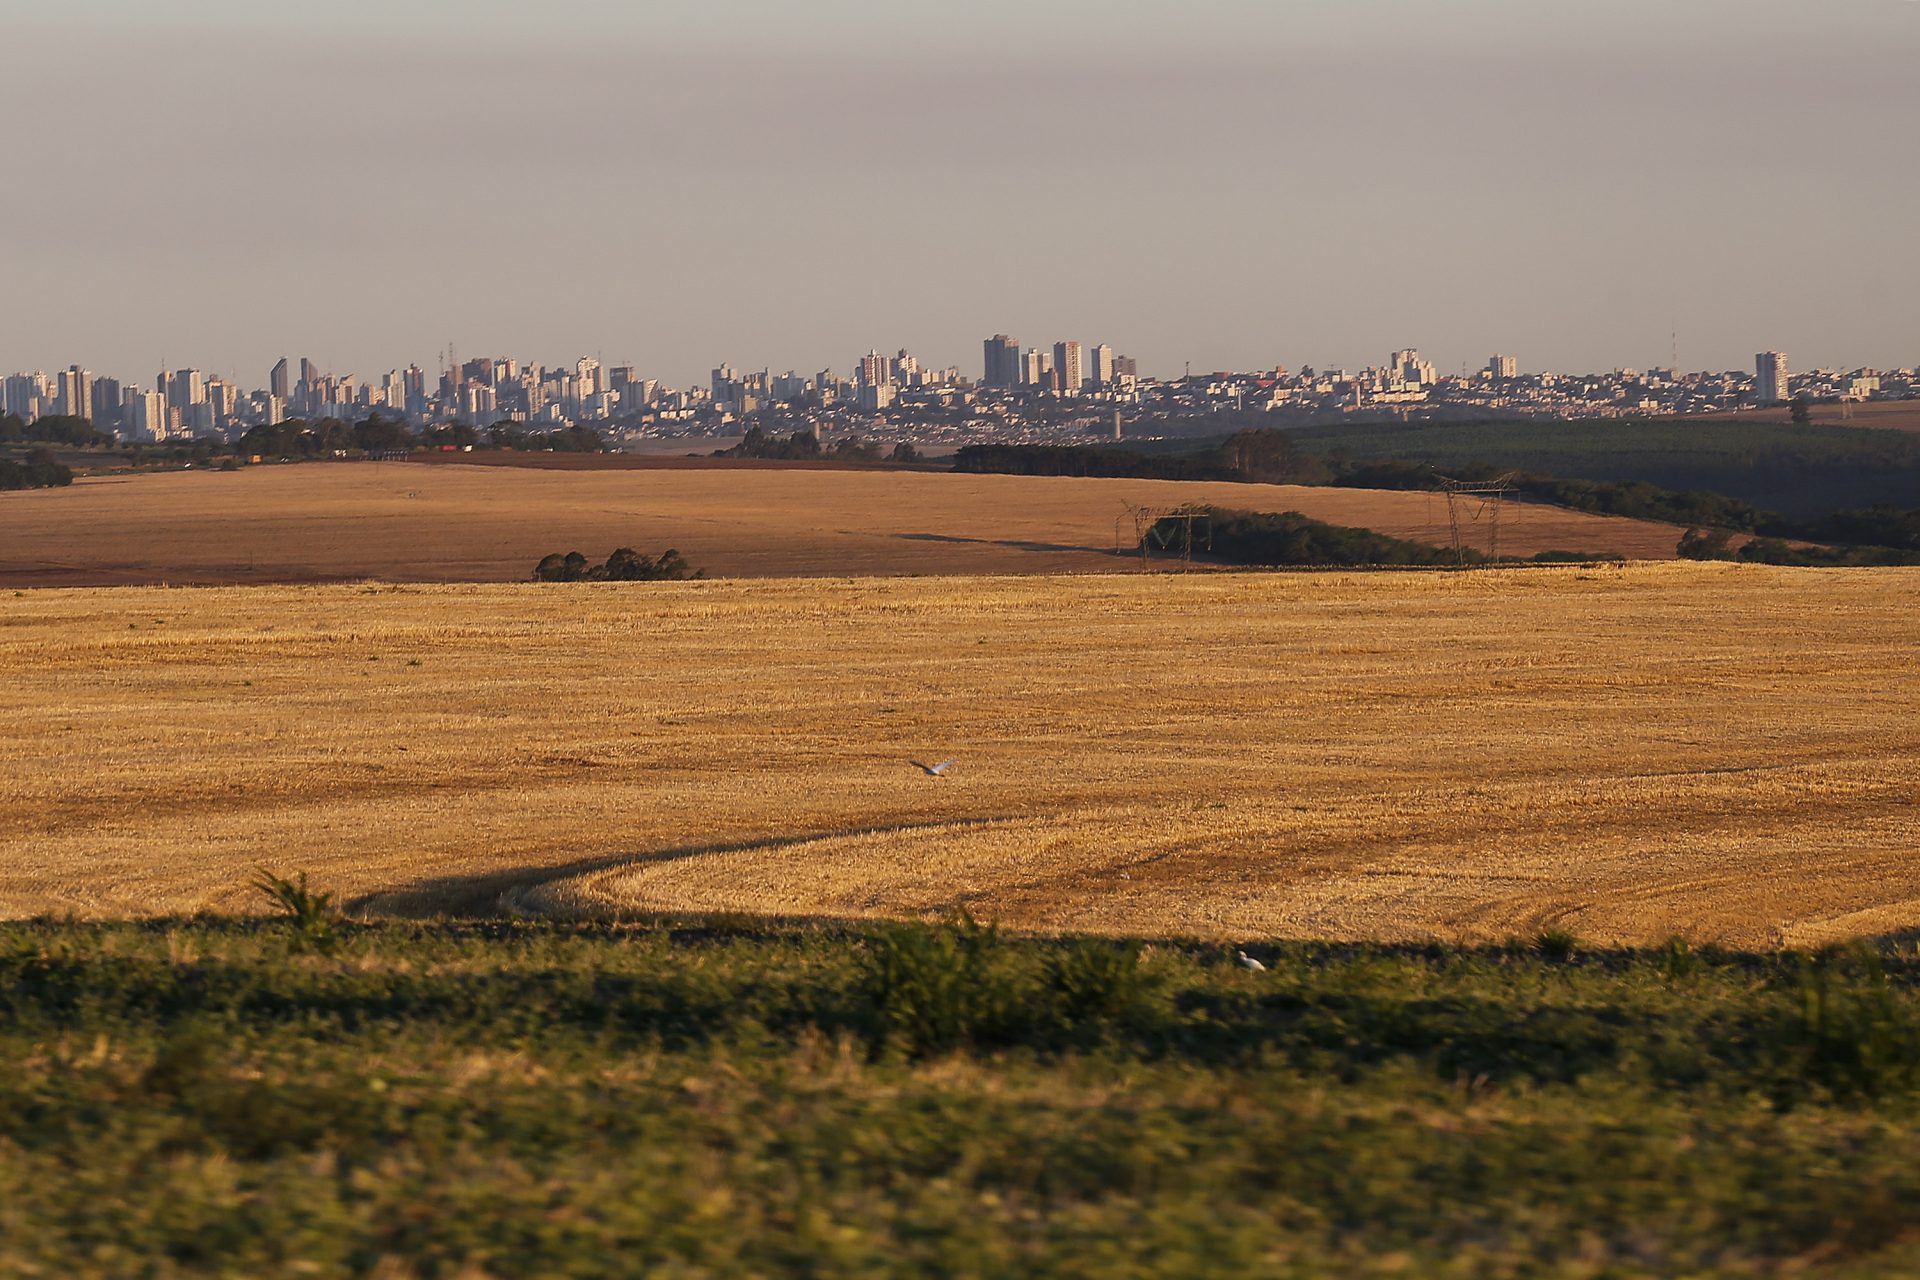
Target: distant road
point(409, 522)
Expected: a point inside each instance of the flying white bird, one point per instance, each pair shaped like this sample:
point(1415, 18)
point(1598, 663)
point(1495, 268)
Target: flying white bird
point(934, 770)
point(1248, 962)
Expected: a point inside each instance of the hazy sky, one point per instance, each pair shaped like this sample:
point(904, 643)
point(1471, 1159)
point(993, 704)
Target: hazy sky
point(1239, 183)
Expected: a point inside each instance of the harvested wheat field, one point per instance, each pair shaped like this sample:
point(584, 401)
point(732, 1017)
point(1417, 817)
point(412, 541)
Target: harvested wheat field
point(1728, 752)
point(409, 522)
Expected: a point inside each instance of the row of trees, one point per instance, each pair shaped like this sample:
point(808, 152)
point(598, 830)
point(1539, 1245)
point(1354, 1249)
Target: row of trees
point(54, 429)
point(1716, 544)
point(624, 565)
point(37, 470)
point(804, 446)
point(326, 437)
point(1265, 456)
point(1289, 538)
point(1885, 527)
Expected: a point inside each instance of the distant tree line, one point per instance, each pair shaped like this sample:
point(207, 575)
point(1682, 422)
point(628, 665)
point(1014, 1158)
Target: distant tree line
point(1804, 471)
point(1290, 538)
point(1271, 456)
point(54, 429)
point(37, 470)
point(1865, 528)
point(1264, 456)
point(1633, 499)
point(1716, 544)
point(326, 437)
point(624, 565)
point(804, 446)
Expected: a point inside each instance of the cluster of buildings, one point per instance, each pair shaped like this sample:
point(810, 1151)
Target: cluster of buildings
point(1068, 370)
point(1024, 394)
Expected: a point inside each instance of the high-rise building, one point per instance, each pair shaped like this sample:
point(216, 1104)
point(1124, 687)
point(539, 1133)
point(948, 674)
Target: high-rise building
point(1003, 362)
point(589, 377)
point(309, 372)
point(875, 370)
point(1102, 371)
point(1035, 368)
point(225, 399)
point(187, 388)
point(1126, 367)
point(76, 393)
point(1067, 367)
point(1770, 382)
point(1409, 367)
point(147, 415)
point(26, 396)
point(107, 398)
point(1503, 367)
point(278, 383)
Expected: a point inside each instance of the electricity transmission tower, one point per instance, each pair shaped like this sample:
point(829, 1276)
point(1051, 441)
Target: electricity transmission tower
point(1179, 529)
point(1471, 501)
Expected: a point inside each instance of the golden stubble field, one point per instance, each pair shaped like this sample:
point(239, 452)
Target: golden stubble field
point(1722, 751)
point(416, 522)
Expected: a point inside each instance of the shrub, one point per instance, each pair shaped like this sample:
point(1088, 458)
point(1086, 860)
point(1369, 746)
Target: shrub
point(1092, 980)
point(929, 991)
point(1855, 1039)
point(312, 915)
point(1678, 959)
point(35, 473)
point(1555, 944)
point(624, 565)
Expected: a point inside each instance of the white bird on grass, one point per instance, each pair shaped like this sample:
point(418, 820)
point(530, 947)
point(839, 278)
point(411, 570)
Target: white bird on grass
point(933, 770)
point(1248, 962)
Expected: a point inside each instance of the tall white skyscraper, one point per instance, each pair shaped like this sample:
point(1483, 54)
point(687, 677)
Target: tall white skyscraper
point(76, 392)
point(1102, 365)
point(1034, 368)
point(1770, 381)
point(147, 415)
point(1504, 367)
point(187, 389)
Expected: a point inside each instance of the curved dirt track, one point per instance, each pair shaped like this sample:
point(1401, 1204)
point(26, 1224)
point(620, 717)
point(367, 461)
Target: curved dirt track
point(1721, 751)
point(410, 522)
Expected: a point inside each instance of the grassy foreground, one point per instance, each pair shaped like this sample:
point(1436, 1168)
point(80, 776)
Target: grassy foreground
point(247, 1099)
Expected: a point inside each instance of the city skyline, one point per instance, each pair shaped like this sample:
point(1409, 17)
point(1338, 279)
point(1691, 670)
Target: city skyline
point(1021, 393)
point(1232, 187)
